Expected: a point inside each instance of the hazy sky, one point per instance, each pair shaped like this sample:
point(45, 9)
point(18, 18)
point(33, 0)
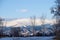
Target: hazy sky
point(25, 8)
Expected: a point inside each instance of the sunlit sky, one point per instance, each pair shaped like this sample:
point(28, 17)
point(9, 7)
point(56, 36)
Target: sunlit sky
point(25, 8)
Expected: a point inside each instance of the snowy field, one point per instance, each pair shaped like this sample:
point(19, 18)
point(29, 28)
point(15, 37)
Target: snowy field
point(27, 38)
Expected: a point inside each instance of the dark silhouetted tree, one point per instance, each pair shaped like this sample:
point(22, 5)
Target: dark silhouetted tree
point(56, 11)
point(15, 31)
point(1, 27)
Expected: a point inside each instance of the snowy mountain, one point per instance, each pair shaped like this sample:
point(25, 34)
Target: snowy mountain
point(26, 21)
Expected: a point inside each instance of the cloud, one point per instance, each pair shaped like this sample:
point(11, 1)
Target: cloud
point(23, 10)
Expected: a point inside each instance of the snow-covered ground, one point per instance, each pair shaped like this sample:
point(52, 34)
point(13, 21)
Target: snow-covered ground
point(27, 38)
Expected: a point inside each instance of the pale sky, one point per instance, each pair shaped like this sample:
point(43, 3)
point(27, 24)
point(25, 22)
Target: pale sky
point(25, 8)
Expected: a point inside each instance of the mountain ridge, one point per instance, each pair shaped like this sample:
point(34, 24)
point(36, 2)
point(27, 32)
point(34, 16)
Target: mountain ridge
point(27, 21)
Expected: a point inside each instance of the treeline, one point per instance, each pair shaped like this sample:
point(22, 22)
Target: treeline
point(17, 32)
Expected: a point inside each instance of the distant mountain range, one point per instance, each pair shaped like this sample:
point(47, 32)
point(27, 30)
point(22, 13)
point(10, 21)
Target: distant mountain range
point(26, 21)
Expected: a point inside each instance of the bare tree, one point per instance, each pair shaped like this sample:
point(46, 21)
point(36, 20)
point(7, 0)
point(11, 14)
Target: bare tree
point(42, 19)
point(1, 27)
point(33, 22)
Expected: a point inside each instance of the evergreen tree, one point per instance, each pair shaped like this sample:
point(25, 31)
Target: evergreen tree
point(56, 11)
